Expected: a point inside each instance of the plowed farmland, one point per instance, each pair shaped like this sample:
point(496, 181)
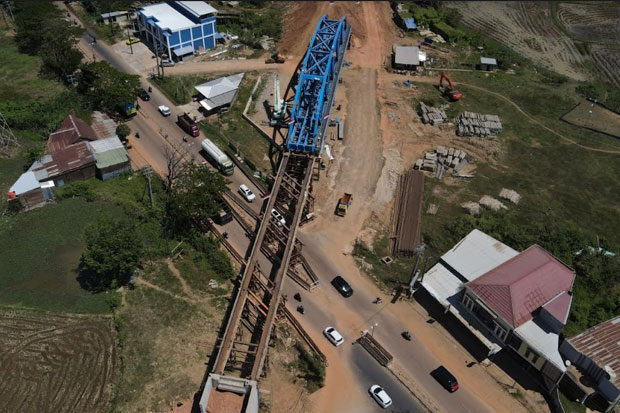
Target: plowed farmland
point(593, 22)
point(607, 58)
point(55, 362)
point(527, 28)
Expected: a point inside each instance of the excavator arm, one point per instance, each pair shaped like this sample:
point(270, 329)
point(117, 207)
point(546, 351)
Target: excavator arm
point(447, 79)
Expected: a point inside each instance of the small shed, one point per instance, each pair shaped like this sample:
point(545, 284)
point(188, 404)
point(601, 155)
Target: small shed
point(111, 156)
point(410, 24)
point(220, 93)
point(407, 57)
point(487, 64)
point(118, 17)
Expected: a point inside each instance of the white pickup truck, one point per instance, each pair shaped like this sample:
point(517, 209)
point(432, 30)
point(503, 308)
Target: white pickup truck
point(164, 110)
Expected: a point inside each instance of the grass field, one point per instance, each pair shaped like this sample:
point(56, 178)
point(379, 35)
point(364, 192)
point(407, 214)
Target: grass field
point(167, 332)
point(576, 184)
point(596, 117)
point(19, 75)
point(180, 89)
point(40, 251)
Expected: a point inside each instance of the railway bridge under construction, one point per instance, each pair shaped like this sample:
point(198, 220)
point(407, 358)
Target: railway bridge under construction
point(232, 384)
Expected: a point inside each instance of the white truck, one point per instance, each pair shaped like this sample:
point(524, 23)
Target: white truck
point(217, 157)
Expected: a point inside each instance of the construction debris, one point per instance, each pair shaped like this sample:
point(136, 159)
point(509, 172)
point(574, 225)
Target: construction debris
point(475, 124)
point(407, 214)
point(432, 209)
point(491, 203)
point(432, 115)
point(441, 160)
point(509, 194)
point(472, 207)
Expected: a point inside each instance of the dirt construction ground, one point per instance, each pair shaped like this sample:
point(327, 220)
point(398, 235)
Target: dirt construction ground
point(55, 362)
point(383, 136)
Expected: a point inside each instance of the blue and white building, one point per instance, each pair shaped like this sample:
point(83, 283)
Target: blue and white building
point(178, 28)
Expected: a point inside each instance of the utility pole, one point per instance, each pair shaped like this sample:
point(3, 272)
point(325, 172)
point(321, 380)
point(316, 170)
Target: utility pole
point(147, 174)
point(129, 37)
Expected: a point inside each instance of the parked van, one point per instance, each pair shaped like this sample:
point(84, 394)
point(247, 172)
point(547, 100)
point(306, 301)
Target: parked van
point(188, 124)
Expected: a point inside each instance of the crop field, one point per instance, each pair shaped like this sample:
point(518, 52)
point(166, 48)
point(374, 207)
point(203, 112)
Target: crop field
point(55, 362)
point(607, 58)
point(593, 22)
point(595, 117)
point(527, 28)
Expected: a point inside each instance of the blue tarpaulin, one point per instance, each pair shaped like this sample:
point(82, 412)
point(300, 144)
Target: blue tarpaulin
point(218, 36)
point(410, 24)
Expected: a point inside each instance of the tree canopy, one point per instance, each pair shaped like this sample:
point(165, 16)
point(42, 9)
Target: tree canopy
point(195, 196)
point(106, 88)
point(41, 30)
point(113, 252)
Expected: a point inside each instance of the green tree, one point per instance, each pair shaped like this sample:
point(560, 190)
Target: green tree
point(113, 252)
point(58, 52)
point(32, 154)
point(195, 196)
point(106, 88)
point(30, 16)
point(122, 131)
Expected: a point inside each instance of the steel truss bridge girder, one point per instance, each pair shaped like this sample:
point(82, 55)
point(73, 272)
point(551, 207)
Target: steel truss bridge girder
point(317, 84)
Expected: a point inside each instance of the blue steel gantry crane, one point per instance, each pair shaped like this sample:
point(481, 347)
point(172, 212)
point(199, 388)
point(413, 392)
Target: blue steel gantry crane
point(317, 85)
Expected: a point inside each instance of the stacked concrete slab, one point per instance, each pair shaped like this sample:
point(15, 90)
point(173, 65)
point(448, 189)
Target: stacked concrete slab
point(441, 159)
point(432, 115)
point(472, 124)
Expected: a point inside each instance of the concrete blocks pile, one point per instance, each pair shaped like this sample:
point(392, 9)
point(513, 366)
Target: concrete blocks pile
point(441, 159)
point(432, 115)
point(471, 124)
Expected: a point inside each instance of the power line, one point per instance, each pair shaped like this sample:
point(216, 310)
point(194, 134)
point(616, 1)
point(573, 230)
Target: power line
point(7, 138)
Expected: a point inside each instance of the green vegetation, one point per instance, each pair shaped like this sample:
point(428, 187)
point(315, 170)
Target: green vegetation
point(107, 89)
point(122, 131)
point(392, 276)
point(180, 89)
point(194, 196)
point(254, 24)
point(91, 11)
point(112, 255)
point(311, 368)
point(605, 92)
point(571, 406)
point(40, 250)
point(42, 30)
point(231, 128)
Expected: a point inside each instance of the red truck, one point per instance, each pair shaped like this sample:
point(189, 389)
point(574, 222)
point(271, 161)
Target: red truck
point(188, 124)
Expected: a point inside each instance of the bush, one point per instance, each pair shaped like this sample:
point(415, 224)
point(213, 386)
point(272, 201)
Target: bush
point(78, 189)
point(122, 131)
point(312, 368)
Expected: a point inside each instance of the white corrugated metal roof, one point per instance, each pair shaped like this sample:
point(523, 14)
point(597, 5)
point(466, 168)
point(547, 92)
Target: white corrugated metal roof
point(477, 254)
point(488, 61)
point(407, 55)
point(198, 8)
point(546, 343)
point(167, 17)
point(220, 86)
point(26, 182)
point(104, 145)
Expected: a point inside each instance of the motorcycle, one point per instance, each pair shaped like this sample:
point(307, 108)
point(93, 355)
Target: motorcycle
point(297, 297)
point(406, 335)
point(138, 135)
point(300, 309)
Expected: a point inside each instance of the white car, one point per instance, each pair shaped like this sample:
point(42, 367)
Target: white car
point(380, 396)
point(164, 110)
point(334, 336)
point(246, 193)
point(278, 217)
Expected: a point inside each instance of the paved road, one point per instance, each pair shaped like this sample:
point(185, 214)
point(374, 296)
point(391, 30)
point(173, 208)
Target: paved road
point(325, 305)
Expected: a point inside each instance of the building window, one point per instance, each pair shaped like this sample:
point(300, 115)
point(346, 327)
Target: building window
point(500, 332)
point(468, 302)
point(531, 356)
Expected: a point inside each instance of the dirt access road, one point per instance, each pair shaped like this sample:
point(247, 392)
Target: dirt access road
point(367, 164)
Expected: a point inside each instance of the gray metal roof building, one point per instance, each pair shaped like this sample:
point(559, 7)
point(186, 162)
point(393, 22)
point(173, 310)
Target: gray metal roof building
point(219, 92)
